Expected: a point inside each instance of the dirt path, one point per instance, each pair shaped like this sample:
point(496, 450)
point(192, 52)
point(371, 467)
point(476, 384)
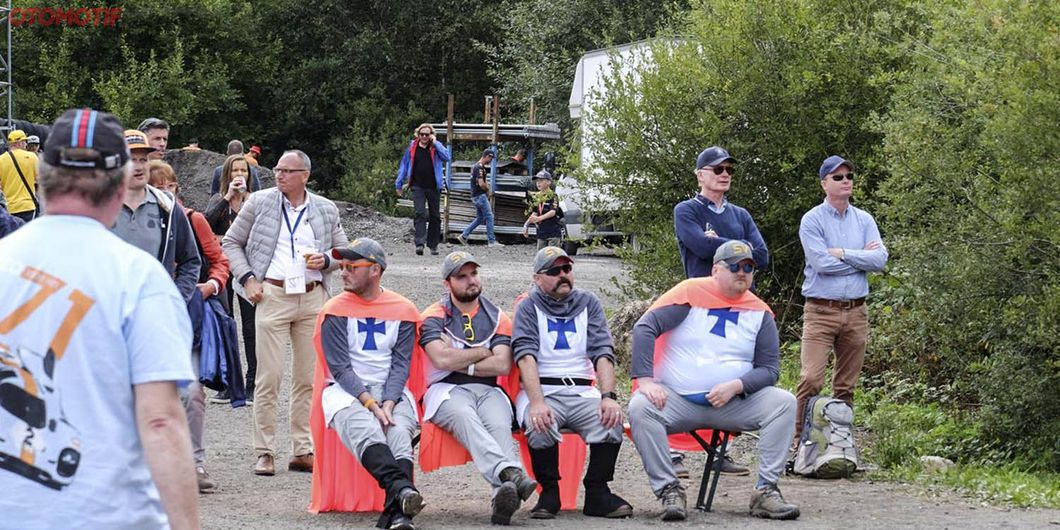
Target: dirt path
point(458, 497)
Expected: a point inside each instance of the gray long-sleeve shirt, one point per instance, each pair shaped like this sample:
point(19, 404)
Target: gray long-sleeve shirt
point(526, 338)
point(333, 337)
point(766, 363)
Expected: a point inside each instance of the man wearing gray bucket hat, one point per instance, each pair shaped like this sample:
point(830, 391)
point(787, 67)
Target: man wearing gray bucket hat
point(562, 343)
point(467, 340)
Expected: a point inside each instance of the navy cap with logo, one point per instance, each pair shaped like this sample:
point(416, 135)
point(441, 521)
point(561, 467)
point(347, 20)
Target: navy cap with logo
point(86, 139)
point(712, 156)
point(487, 152)
point(362, 248)
point(831, 164)
point(455, 261)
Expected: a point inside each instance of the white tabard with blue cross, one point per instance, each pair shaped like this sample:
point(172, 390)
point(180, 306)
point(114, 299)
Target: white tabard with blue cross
point(370, 342)
point(710, 346)
point(561, 353)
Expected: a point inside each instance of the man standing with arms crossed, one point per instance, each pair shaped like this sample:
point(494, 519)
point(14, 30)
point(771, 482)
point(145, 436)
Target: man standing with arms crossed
point(279, 247)
point(81, 336)
point(842, 245)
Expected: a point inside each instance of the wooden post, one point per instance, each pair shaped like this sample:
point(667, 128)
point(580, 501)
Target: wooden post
point(533, 112)
point(448, 167)
point(486, 109)
point(496, 140)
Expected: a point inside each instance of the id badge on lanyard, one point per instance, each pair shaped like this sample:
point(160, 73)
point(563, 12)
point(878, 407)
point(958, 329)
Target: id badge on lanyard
point(294, 280)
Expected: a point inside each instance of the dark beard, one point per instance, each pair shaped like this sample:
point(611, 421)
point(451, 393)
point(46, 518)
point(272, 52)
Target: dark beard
point(466, 297)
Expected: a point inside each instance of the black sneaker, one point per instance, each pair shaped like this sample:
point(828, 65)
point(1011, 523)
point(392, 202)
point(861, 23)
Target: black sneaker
point(504, 504)
point(419, 250)
point(434, 251)
point(730, 467)
point(221, 398)
point(768, 503)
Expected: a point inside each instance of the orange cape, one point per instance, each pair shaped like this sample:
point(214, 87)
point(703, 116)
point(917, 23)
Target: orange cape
point(702, 293)
point(340, 483)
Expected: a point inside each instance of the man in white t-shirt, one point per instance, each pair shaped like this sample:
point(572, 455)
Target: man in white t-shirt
point(94, 340)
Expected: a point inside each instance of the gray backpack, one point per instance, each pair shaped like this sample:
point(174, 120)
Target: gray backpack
point(826, 446)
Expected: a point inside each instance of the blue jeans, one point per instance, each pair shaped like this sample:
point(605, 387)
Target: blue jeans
point(483, 214)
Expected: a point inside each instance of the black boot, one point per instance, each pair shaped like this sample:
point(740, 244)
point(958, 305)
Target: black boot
point(545, 463)
point(599, 501)
point(379, 462)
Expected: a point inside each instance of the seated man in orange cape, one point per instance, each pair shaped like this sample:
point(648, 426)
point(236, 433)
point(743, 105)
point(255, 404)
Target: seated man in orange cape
point(467, 341)
point(707, 354)
point(561, 343)
point(367, 336)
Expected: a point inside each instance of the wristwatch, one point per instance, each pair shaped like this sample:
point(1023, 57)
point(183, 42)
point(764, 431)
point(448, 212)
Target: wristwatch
point(611, 395)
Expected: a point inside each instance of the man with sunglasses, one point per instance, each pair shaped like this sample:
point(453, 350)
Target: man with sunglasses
point(366, 336)
point(279, 248)
point(706, 221)
point(421, 169)
point(467, 340)
point(717, 369)
point(842, 245)
point(562, 342)
point(702, 224)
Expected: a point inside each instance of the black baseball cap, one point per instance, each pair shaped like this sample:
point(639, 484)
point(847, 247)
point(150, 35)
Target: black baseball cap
point(86, 139)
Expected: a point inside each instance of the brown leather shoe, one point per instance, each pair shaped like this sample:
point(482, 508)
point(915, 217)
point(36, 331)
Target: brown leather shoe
point(265, 466)
point(302, 463)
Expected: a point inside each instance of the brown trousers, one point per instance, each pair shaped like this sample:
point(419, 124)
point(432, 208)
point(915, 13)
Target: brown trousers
point(826, 328)
point(280, 320)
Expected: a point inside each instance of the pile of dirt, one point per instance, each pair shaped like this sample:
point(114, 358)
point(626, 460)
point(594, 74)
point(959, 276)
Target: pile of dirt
point(363, 221)
point(195, 171)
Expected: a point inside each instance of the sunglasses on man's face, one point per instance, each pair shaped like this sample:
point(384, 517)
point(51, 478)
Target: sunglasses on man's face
point(555, 271)
point(840, 176)
point(718, 170)
point(747, 267)
point(354, 265)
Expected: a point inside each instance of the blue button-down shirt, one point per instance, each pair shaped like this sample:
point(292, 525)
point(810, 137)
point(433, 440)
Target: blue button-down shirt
point(828, 277)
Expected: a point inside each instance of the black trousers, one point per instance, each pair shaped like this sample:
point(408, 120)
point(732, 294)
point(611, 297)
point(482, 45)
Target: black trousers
point(428, 219)
point(246, 324)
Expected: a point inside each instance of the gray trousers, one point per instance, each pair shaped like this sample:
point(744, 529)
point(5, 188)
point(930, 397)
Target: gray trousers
point(574, 412)
point(771, 411)
point(194, 400)
point(359, 429)
point(480, 418)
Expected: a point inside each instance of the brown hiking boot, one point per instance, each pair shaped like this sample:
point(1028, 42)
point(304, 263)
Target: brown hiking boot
point(731, 467)
point(675, 505)
point(768, 503)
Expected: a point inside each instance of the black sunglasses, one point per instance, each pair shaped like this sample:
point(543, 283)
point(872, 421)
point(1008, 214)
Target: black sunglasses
point(718, 170)
point(747, 267)
point(848, 176)
point(425, 134)
point(555, 271)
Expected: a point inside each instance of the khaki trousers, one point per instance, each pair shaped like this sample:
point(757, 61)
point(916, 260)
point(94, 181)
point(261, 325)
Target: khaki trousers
point(825, 329)
point(283, 319)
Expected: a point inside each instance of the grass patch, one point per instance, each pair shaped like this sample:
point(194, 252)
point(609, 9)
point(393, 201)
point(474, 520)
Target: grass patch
point(999, 485)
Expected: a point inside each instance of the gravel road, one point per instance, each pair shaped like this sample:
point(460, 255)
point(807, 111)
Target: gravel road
point(458, 497)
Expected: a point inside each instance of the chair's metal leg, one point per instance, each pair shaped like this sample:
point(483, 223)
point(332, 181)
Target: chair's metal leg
point(720, 449)
point(706, 469)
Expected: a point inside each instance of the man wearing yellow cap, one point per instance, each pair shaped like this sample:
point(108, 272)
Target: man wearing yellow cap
point(18, 177)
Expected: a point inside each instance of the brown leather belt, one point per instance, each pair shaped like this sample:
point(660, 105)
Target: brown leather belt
point(279, 283)
point(839, 304)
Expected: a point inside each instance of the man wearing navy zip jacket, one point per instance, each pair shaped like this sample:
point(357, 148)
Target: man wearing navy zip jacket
point(421, 168)
point(706, 221)
point(703, 224)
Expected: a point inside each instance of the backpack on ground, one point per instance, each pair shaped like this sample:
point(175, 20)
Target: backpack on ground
point(826, 446)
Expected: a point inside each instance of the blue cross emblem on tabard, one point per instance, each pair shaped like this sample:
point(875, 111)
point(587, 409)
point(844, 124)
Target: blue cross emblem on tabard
point(724, 315)
point(370, 327)
point(562, 326)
